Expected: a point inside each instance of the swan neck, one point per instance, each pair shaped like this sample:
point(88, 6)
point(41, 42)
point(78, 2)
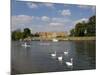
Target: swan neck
point(55, 52)
point(71, 60)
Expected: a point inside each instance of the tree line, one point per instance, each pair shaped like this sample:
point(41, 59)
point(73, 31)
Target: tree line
point(85, 28)
point(18, 34)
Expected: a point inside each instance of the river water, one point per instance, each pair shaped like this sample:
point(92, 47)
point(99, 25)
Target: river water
point(37, 58)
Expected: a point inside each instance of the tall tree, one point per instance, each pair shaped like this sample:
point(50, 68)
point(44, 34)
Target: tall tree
point(72, 32)
point(91, 27)
point(79, 29)
point(27, 32)
point(85, 28)
point(16, 35)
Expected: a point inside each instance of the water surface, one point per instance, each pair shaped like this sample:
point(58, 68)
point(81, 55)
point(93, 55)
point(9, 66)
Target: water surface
point(38, 59)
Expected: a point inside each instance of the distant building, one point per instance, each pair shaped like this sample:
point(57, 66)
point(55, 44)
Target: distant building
point(50, 35)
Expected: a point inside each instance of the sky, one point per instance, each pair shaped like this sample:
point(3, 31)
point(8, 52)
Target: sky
point(48, 17)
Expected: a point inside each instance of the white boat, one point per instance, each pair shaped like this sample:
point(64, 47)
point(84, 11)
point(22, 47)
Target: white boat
point(54, 40)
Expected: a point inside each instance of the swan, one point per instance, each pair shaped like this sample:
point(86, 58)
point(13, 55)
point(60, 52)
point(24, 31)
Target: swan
point(65, 52)
point(53, 54)
point(25, 45)
point(60, 58)
point(70, 63)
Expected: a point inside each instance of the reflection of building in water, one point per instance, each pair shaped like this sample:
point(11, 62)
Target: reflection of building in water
point(49, 35)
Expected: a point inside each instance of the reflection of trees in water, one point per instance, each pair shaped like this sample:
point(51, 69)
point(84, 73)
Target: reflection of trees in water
point(85, 51)
point(86, 48)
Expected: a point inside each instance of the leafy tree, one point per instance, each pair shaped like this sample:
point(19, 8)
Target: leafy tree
point(27, 32)
point(85, 29)
point(72, 32)
point(79, 29)
point(16, 35)
point(91, 27)
point(36, 35)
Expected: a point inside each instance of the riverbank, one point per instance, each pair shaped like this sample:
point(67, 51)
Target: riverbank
point(80, 38)
point(65, 39)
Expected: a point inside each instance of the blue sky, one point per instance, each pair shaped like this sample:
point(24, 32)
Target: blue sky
point(41, 17)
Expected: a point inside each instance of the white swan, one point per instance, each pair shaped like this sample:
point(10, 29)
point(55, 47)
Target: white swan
point(53, 54)
point(25, 45)
point(70, 63)
point(65, 52)
point(60, 58)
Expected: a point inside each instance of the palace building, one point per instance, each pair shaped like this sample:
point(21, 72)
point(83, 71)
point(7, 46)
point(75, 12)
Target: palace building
point(49, 35)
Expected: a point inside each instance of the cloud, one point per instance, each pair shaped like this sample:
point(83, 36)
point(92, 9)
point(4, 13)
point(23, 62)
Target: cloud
point(20, 20)
point(32, 5)
point(87, 7)
point(84, 6)
point(62, 20)
point(65, 12)
point(40, 23)
point(45, 18)
point(56, 24)
point(93, 8)
point(65, 5)
point(51, 5)
point(81, 20)
point(35, 5)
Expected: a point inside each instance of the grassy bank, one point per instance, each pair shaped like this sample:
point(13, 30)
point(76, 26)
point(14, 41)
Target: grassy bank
point(67, 38)
point(80, 38)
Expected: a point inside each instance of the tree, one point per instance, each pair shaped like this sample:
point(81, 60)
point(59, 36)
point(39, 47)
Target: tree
point(16, 35)
point(72, 32)
point(85, 28)
point(36, 35)
point(91, 27)
point(79, 29)
point(27, 32)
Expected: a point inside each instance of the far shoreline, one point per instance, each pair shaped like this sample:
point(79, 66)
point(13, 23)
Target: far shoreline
point(65, 39)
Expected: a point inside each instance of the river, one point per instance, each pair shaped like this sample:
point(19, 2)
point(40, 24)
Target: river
point(37, 58)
